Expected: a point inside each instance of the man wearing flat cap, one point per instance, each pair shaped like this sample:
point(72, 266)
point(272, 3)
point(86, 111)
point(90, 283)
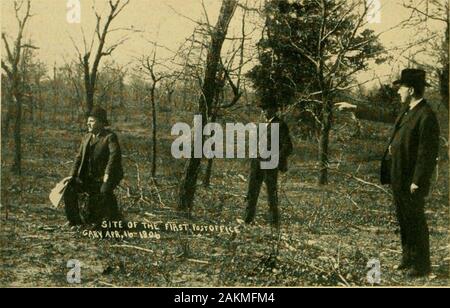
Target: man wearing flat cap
point(96, 173)
point(408, 164)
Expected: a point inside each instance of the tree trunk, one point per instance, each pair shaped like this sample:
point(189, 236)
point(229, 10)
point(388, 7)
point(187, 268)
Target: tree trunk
point(207, 180)
point(444, 80)
point(5, 125)
point(154, 127)
point(189, 181)
point(208, 173)
point(32, 102)
point(56, 92)
point(17, 165)
point(188, 185)
point(72, 112)
point(112, 115)
point(38, 100)
point(54, 113)
point(7, 121)
point(41, 109)
point(324, 143)
point(89, 99)
point(169, 97)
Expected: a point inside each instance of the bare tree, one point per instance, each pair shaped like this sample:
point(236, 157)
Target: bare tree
point(7, 101)
point(150, 64)
point(56, 89)
point(218, 34)
point(6, 104)
point(192, 55)
point(12, 69)
point(101, 34)
point(225, 76)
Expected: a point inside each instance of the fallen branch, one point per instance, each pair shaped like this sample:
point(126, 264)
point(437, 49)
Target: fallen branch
point(155, 186)
point(371, 184)
point(338, 271)
point(351, 176)
point(132, 247)
point(107, 284)
point(444, 248)
point(138, 176)
point(198, 261)
point(343, 280)
point(394, 251)
point(351, 199)
point(144, 199)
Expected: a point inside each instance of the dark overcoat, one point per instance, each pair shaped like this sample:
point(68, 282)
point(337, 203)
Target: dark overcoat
point(414, 146)
point(106, 158)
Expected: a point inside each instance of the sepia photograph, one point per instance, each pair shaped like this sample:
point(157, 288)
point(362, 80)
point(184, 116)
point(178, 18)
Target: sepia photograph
point(224, 143)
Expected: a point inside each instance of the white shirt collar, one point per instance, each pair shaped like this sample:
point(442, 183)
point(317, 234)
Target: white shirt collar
point(413, 104)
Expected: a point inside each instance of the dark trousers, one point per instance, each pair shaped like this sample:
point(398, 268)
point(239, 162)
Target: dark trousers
point(84, 204)
point(414, 232)
point(257, 177)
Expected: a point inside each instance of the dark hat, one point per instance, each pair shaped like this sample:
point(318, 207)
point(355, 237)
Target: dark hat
point(100, 114)
point(412, 78)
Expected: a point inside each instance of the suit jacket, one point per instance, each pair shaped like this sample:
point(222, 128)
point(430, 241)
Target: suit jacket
point(414, 146)
point(285, 142)
point(106, 158)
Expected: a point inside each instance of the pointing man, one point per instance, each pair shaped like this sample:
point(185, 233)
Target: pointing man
point(408, 164)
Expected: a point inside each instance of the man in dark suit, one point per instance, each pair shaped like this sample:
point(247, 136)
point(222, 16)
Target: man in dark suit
point(96, 173)
point(269, 176)
point(408, 164)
